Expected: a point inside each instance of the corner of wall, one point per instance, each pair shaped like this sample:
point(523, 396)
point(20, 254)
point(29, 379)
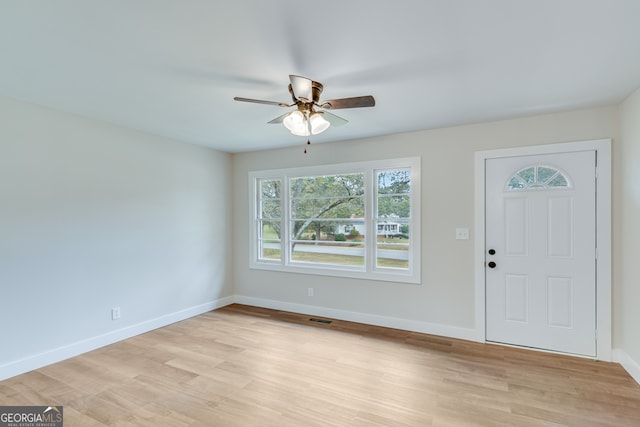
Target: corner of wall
point(469, 334)
point(37, 361)
point(630, 365)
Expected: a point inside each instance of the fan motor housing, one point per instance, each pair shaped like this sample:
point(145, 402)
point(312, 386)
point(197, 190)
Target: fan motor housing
point(316, 91)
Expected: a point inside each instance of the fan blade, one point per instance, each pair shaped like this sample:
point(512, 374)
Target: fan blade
point(355, 102)
point(333, 119)
point(259, 101)
point(279, 119)
point(301, 87)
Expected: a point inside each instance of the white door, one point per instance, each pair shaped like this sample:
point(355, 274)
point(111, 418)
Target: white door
point(541, 251)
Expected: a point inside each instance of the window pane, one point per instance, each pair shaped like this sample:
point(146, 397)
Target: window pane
point(394, 182)
point(269, 243)
point(270, 209)
point(558, 181)
point(269, 199)
point(394, 188)
point(331, 207)
point(392, 244)
point(392, 222)
point(545, 173)
point(394, 206)
point(270, 188)
point(271, 251)
point(528, 175)
point(329, 252)
point(515, 184)
point(322, 208)
point(346, 185)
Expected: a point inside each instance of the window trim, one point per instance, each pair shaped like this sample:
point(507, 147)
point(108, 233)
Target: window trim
point(371, 272)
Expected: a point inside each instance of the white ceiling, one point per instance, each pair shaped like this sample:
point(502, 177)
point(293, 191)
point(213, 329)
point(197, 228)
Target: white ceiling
point(172, 68)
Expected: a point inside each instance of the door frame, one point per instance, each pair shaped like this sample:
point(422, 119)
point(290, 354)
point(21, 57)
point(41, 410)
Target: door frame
point(603, 232)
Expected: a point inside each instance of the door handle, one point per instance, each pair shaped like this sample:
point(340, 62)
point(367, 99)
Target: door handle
point(492, 264)
point(492, 251)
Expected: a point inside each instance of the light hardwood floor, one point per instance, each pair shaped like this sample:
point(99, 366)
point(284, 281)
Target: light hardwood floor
point(247, 366)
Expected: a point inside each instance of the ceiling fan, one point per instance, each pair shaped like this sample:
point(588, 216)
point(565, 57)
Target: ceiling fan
point(310, 117)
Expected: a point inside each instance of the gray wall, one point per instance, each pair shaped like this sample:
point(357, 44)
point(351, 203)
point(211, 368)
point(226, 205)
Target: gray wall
point(95, 216)
point(626, 249)
point(444, 301)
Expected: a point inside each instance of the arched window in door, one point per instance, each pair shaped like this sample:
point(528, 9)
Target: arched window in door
point(538, 177)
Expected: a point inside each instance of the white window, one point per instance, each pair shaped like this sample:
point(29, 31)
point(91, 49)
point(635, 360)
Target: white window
point(538, 177)
point(357, 220)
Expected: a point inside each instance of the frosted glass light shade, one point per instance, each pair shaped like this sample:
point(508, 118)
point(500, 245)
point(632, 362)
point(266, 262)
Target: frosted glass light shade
point(318, 123)
point(297, 124)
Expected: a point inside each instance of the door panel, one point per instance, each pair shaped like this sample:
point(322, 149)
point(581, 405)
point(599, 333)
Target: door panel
point(516, 226)
point(560, 227)
point(560, 302)
point(540, 220)
point(516, 297)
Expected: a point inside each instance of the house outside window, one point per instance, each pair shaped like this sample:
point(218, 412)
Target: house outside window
point(358, 220)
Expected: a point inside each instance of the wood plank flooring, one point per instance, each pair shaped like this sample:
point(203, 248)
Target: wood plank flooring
point(247, 366)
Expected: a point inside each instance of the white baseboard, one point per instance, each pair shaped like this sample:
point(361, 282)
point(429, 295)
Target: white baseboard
point(630, 365)
point(370, 319)
point(36, 361)
point(40, 360)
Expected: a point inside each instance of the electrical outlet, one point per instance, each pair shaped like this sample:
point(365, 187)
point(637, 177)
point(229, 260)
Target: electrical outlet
point(115, 313)
point(462, 234)
point(310, 292)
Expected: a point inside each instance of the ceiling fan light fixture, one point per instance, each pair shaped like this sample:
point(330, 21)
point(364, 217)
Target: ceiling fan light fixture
point(305, 96)
point(297, 124)
point(301, 132)
point(318, 123)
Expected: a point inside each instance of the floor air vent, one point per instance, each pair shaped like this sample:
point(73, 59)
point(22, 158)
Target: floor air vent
point(313, 319)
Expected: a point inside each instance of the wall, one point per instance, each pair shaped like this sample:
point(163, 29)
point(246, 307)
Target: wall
point(95, 216)
point(444, 302)
point(626, 248)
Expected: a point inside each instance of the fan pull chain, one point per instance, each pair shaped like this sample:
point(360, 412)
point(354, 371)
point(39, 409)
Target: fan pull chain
point(308, 143)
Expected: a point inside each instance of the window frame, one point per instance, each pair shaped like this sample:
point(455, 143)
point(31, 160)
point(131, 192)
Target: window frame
point(369, 271)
